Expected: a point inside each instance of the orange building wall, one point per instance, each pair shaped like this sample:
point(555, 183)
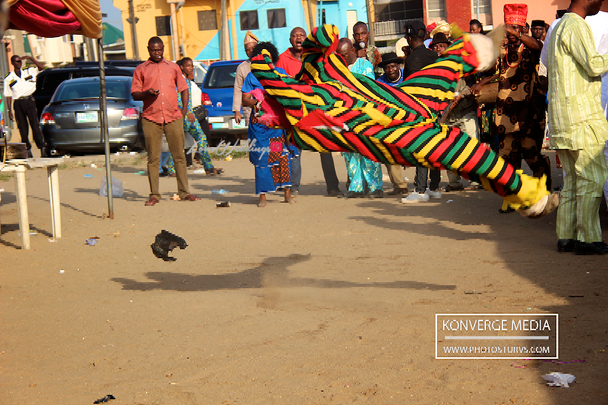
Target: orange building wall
point(537, 9)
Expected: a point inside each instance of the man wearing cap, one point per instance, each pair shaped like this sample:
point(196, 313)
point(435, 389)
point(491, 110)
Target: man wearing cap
point(391, 64)
point(516, 110)
point(363, 173)
point(393, 75)
point(440, 43)
point(578, 126)
point(419, 58)
point(241, 72)
point(538, 29)
point(19, 87)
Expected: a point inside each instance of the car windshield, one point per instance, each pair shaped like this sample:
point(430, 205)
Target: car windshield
point(221, 77)
point(79, 90)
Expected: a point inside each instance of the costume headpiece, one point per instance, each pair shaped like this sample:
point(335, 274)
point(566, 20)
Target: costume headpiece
point(516, 14)
point(443, 27)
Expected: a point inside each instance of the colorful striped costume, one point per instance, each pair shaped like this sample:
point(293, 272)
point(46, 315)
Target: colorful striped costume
point(328, 108)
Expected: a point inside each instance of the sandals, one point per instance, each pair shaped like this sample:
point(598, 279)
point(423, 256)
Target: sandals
point(190, 197)
point(151, 201)
point(214, 171)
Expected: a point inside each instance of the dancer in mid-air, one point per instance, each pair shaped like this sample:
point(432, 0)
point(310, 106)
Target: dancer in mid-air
point(327, 108)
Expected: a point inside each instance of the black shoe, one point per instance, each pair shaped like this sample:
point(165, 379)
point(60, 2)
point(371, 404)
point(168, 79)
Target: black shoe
point(29, 154)
point(565, 245)
point(507, 211)
point(397, 191)
point(377, 194)
point(354, 194)
point(335, 193)
point(594, 248)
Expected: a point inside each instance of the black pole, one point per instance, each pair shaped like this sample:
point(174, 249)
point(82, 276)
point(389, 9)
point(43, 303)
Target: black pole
point(103, 110)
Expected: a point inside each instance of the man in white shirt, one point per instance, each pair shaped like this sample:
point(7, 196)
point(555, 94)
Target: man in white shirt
point(19, 87)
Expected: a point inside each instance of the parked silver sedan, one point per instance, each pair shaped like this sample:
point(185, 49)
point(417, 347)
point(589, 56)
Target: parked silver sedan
point(71, 121)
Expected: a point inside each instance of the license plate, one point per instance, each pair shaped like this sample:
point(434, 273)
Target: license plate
point(86, 117)
point(215, 119)
point(243, 123)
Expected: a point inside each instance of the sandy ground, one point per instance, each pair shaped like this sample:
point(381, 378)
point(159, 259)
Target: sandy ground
point(327, 301)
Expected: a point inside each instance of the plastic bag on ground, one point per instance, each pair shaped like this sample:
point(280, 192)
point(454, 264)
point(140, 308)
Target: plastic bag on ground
point(117, 189)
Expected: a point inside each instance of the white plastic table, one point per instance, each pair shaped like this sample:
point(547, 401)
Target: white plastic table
point(19, 166)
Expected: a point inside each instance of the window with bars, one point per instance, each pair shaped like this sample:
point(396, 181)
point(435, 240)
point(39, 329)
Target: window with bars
point(163, 26)
point(481, 7)
point(436, 9)
point(249, 20)
point(276, 18)
point(207, 20)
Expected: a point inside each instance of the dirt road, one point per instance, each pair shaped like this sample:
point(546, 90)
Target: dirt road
point(326, 301)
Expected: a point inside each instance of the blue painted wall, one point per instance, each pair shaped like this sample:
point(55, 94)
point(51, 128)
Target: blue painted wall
point(295, 15)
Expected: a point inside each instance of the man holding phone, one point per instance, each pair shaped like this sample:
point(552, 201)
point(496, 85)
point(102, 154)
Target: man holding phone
point(156, 82)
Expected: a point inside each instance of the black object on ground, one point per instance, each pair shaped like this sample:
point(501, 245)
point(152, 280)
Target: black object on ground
point(165, 243)
point(105, 399)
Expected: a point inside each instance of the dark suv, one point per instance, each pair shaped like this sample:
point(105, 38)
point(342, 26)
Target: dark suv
point(48, 80)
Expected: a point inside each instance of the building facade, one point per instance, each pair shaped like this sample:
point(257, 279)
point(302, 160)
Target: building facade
point(194, 28)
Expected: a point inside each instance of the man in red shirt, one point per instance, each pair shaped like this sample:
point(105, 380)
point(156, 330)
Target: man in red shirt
point(156, 82)
point(291, 59)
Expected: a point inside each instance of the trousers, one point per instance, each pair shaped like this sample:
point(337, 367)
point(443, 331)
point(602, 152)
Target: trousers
point(174, 133)
point(25, 110)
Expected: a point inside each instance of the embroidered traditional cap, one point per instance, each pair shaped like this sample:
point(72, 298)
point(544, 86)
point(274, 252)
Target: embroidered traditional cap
point(250, 38)
point(516, 14)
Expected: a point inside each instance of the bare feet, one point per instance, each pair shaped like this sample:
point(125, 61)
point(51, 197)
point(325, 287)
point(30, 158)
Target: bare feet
point(288, 198)
point(262, 203)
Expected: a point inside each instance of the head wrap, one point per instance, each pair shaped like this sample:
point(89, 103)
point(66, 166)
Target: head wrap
point(250, 38)
point(431, 27)
point(516, 14)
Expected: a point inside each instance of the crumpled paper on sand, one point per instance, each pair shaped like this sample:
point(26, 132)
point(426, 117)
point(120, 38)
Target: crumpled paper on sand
point(559, 379)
